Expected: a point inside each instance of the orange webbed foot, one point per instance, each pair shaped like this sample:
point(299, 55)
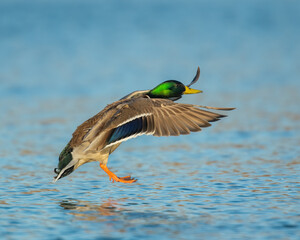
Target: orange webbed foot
point(114, 177)
point(127, 179)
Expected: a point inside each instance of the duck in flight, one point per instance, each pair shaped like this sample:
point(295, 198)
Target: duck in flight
point(150, 112)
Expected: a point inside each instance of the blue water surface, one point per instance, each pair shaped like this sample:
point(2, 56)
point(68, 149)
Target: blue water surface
point(62, 61)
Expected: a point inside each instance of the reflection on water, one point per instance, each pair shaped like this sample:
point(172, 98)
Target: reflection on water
point(123, 220)
point(85, 210)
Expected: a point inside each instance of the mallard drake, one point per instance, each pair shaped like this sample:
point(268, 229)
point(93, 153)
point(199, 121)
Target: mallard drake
point(150, 112)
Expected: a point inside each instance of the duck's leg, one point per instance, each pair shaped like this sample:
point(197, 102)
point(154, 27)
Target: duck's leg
point(114, 177)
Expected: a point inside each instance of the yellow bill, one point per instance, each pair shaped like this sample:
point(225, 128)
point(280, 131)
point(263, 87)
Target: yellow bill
point(191, 90)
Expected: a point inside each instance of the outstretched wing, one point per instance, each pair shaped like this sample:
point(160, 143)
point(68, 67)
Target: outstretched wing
point(158, 117)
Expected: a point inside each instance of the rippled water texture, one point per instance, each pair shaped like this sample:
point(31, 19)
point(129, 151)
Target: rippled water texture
point(62, 61)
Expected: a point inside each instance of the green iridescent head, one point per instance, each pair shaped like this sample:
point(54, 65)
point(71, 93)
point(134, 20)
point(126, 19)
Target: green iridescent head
point(171, 89)
point(65, 158)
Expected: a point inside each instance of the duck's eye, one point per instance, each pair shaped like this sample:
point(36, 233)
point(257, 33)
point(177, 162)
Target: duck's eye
point(56, 170)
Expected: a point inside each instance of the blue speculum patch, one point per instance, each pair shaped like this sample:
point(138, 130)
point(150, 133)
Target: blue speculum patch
point(133, 127)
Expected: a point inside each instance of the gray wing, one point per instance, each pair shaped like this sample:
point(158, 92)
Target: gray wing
point(157, 117)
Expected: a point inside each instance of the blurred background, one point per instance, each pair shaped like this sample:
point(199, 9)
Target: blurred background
point(62, 61)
